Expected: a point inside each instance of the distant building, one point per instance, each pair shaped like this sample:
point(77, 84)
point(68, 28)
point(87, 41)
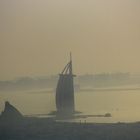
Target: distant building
point(65, 91)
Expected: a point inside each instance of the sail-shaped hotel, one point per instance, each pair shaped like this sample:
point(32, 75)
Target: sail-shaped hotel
point(65, 91)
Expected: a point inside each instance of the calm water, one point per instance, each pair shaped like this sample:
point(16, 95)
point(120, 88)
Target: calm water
point(123, 105)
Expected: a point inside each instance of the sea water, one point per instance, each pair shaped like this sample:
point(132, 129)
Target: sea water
point(124, 106)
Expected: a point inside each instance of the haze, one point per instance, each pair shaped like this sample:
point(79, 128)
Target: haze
point(36, 36)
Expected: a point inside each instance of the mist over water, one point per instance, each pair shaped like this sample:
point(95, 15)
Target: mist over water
point(123, 105)
point(103, 36)
point(36, 37)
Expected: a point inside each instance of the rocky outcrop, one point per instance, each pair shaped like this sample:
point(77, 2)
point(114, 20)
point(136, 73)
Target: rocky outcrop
point(10, 112)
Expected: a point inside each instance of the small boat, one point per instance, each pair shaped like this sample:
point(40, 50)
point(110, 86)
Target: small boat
point(65, 91)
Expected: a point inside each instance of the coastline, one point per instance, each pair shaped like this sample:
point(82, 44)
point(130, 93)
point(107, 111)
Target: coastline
point(48, 129)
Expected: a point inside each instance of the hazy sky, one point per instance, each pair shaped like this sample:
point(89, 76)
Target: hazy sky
point(36, 36)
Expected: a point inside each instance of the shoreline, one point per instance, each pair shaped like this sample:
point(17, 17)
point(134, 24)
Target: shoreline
point(49, 129)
